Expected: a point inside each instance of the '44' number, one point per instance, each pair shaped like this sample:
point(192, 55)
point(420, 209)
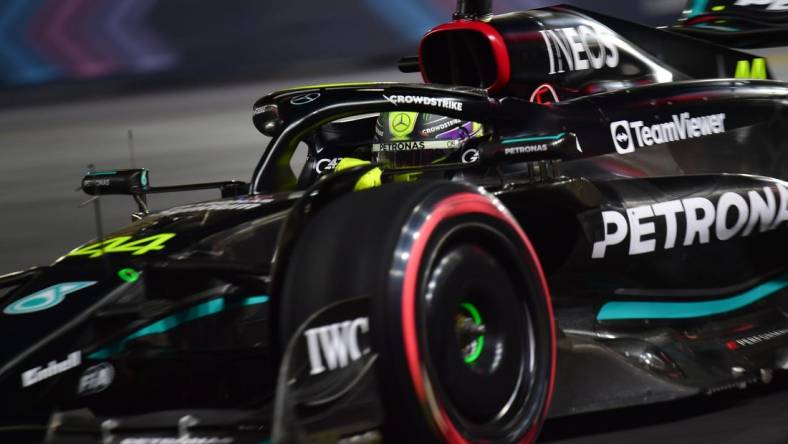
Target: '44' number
point(124, 244)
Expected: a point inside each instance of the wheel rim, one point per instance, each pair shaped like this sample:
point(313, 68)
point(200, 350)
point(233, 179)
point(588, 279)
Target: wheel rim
point(479, 348)
point(429, 226)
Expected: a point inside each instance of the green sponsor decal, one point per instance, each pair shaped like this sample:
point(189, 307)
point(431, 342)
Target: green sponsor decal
point(755, 71)
point(124, 244)
point(129, 275)
point(401, 124)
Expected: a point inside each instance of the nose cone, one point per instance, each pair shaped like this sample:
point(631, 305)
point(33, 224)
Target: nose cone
point(43, 307)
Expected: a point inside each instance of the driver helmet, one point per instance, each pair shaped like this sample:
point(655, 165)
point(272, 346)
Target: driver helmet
point(411, 139)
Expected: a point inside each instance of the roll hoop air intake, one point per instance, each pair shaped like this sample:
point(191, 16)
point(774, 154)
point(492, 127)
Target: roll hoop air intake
point(473, 9)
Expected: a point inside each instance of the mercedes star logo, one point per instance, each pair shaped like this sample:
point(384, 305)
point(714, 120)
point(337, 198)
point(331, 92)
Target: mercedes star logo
point(401, 122)
point(306, 98)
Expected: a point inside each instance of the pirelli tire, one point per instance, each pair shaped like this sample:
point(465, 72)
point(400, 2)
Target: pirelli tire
point(461, 315)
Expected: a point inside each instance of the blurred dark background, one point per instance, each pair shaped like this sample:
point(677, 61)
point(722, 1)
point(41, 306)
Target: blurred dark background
point(78, 77)
point(65, 49)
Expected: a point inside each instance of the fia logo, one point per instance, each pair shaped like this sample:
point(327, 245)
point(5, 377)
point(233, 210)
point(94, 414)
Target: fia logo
point(96, 379)
point(336, 345)
point(622, 137)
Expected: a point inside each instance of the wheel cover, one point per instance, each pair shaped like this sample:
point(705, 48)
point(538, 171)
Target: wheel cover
point(457, 205)
point(484, 388)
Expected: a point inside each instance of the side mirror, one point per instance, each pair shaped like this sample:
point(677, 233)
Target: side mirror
point(135, 183)
point(129, 182)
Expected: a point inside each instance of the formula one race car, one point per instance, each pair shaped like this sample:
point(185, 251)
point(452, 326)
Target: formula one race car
point(573, 213)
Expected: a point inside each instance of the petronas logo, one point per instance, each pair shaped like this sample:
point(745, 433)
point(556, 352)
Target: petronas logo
point(46, 298)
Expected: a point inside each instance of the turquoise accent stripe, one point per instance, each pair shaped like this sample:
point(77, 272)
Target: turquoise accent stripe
point(699, 7)
point(208, 308)
point(682, 310)
point(533, 139)
point(716, 27)
point(102, 173)
point(254, 300)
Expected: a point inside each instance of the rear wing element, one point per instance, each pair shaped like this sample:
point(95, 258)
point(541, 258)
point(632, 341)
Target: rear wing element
point(737, 23)
point(694, 52)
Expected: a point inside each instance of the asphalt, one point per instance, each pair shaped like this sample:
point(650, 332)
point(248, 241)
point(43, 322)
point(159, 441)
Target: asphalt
point(181, 137)
point(757, 415)
point(207, 135)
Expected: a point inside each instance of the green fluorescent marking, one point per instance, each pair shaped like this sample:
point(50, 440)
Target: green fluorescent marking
point(402, 123)
point(164, 325)
point(682, 310)
point(332, 85)
point(102, 173)
point(124, 244)
point(533, 139)
point(477, 319)
point(757, 71)
point(129, 275)
point(718, 8)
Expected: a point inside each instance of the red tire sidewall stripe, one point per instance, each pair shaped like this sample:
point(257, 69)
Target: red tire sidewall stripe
point(453, 206)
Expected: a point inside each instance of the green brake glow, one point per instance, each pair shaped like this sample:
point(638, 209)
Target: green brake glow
point(477, 319)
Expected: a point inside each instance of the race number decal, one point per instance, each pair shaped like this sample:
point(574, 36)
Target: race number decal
point(124, 244)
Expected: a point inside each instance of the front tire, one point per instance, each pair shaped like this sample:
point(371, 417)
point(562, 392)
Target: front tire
point(461, 313)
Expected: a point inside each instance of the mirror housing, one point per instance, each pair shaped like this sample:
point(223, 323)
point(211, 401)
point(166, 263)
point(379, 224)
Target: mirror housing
point(124, 182)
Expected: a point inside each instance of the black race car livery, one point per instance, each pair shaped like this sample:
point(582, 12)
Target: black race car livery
point(610, 235)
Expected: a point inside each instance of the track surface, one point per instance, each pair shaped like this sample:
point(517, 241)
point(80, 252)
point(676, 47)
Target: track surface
point(181, 137)
point(207, 135)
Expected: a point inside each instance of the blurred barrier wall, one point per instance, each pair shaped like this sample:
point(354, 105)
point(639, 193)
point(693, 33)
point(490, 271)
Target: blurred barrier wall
point(57, 42)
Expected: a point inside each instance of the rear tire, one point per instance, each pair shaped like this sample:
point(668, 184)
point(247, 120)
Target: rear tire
point(461, 312)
